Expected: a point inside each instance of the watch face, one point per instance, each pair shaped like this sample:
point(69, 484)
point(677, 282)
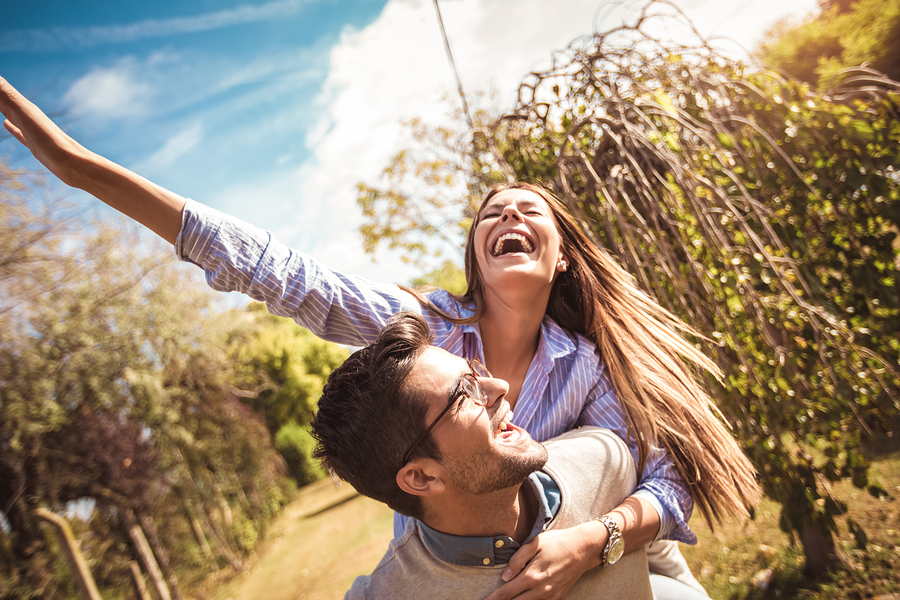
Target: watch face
point(615, 552)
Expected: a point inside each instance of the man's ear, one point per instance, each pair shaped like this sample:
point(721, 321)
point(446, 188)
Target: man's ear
point(421, 477)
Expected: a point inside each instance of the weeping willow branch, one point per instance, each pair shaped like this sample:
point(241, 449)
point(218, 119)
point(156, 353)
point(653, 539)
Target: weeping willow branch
point(763, 213)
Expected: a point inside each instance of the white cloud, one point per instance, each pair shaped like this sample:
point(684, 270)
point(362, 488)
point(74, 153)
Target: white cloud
point(59, 38)
point(393, 70)
point(396, 69)
point(109, 93)
point(175, 147)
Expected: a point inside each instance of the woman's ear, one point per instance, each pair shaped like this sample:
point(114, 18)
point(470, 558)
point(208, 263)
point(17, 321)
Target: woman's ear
point(421, 477)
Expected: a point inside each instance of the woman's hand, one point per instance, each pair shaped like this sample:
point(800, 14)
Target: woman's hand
point(550, 564)
point(47, 142)
point(147, 203)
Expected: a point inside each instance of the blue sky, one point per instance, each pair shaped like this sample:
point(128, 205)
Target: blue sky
point(273, 111)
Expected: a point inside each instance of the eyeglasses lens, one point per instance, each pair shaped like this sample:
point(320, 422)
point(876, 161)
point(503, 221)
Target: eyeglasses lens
point(479, 370)
point(472, 388)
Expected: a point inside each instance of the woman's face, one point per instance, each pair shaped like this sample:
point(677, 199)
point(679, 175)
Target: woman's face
point(516, 241)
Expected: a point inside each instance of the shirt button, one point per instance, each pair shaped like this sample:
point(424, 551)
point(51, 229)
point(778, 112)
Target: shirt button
point(498, 544)
point(486, 561)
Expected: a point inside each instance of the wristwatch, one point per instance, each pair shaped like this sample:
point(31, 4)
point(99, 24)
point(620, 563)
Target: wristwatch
point(615, 546)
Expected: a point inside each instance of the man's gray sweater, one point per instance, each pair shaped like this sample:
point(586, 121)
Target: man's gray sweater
point(595, 472)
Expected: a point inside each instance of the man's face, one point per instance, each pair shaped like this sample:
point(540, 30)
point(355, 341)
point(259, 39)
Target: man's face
point(481, 450)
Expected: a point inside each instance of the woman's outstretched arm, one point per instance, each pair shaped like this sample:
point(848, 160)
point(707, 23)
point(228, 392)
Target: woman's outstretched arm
point(235, 256)
point(134, 196)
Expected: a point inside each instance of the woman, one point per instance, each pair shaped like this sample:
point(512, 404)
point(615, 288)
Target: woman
point(541, 300)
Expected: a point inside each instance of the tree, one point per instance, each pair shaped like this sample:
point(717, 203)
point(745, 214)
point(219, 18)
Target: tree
point(116, 387)
point(283, 367)
point(762, 213)
point(281, 370)
point(448, 277)
point(842, 35)
point(416, 210)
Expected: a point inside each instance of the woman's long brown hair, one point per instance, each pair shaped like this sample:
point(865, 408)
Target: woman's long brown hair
point(650, 362)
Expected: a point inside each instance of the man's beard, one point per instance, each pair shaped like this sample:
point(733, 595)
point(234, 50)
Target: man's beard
point(486, 473)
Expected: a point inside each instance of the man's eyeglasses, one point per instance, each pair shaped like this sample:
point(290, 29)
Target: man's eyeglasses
point(467, 386)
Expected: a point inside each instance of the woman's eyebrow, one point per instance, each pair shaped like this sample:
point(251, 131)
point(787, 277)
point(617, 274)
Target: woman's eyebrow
point(521, 204)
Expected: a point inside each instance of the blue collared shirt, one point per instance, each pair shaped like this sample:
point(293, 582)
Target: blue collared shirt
point(490, 551)
point(566, 385)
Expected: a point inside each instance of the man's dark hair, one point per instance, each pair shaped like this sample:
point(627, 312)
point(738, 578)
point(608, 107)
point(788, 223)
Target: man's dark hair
point(367, 418)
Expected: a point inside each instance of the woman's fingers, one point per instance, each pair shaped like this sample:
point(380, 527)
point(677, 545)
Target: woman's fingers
point(47, 142)
point(520, 560)
point(16, 133)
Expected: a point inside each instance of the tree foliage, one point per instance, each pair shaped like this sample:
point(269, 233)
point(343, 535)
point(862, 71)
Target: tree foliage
point(415, 208)
point(842, 35)
point(285, 364)
point(761, 212)
point(281, 369)
point(119, 393)
point(448, 276)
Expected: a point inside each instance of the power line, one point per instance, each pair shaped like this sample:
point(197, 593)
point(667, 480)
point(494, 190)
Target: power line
point(462, 95)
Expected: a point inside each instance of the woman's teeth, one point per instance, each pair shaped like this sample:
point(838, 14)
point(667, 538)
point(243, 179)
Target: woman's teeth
point(517, 243)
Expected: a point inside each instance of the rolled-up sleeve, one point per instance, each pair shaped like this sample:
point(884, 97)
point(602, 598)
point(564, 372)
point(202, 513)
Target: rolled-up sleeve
point(660, 483)
point(237, 256)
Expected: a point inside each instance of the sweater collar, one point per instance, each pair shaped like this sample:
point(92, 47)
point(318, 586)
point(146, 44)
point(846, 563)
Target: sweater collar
point(497, 550)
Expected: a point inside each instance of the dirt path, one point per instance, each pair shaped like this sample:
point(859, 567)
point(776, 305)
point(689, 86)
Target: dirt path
point(322, 541)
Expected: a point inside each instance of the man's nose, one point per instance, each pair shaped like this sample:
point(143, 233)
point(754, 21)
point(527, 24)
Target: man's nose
point(494, 388)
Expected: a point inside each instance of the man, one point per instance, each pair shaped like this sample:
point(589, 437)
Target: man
point(429, 434)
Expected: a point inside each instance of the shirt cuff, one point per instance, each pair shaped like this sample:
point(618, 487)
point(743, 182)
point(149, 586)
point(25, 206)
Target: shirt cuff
point(199, 223)
point(666, 522)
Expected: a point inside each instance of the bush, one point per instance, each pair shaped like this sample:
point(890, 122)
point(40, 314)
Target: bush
point(296, 446)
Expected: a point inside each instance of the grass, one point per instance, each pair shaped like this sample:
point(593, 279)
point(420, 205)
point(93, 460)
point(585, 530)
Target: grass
point(733, 562)
point(322, 541)
point(328, 536)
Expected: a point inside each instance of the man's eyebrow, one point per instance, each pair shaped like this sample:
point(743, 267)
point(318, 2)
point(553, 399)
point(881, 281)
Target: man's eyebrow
point(454, 391)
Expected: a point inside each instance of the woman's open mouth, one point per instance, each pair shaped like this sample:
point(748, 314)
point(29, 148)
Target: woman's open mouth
point(510, 242)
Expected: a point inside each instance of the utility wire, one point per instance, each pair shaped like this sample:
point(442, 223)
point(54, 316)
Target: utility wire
point(462, 95)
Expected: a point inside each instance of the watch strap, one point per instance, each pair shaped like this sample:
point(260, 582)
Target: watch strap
point(614, 536)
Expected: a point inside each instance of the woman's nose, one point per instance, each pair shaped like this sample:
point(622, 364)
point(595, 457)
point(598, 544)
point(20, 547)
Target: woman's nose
point(511, 212)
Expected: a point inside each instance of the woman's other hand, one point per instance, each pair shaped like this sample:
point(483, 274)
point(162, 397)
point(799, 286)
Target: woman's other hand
point(550, 564)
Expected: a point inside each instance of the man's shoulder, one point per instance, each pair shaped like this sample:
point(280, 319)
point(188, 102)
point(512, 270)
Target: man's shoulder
point(588, 460)
point(588, 439)
point(589, 447)
point(389, 571)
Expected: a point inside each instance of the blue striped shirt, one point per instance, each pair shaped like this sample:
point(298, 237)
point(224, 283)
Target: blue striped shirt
point(566, 385)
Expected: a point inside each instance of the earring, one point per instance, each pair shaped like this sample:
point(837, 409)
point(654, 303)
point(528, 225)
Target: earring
point(561, 265)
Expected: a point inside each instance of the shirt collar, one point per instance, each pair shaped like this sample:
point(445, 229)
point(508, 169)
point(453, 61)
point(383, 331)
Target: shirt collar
point(497, 550)
point(554, 343)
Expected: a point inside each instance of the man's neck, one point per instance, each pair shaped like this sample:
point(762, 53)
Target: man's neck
point(511, 512)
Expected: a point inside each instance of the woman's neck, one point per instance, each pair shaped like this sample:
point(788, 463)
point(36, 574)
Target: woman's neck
point(510, 333)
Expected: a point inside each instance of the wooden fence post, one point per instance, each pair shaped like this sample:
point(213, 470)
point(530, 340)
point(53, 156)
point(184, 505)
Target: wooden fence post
point(145, 554)
point(76, 561)
point(139, 580)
